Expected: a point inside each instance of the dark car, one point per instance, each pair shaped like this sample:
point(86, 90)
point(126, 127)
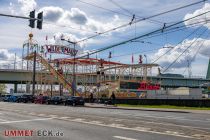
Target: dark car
point(75, 100)
point(56, 100)
point(26, 99)
point(6, 98)
point(41, 99)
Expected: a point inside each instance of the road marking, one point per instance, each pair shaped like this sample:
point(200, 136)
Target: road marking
point(41, 114)
point(43, 119)
point(123, 138)
point(116, 125)
point(78, 120)
point(97, 122)
point(3, 120)
point(133, 129)
point(65, 117)
point(32, 113)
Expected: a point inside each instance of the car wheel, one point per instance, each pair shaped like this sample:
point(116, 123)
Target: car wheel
point(73, 104)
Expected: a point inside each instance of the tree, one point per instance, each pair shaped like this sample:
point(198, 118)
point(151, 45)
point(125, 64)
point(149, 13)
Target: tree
point(3, 88)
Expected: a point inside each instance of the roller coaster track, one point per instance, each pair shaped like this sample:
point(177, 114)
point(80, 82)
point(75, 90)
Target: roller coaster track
point(60, 77)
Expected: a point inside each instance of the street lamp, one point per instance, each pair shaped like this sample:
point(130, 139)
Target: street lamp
point(145, 57)
point(74, 76)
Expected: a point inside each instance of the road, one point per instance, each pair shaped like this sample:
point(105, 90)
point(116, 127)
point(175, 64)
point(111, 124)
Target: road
point(51, 122)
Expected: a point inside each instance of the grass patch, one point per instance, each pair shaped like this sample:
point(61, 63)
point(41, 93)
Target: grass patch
point(164, 107)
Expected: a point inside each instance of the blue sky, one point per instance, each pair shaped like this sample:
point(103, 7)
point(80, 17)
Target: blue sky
point(91, 19)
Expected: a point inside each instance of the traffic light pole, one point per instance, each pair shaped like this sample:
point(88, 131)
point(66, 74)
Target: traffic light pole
point(34, 74)
point(6, 15)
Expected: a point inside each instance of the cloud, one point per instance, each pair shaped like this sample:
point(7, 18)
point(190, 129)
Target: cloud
point(167, 58)
point(22, 7)
point(77, 16)
point(27, 5)
point(78, 19)
point(7, 59)
point(51, 13)
point(200, 19)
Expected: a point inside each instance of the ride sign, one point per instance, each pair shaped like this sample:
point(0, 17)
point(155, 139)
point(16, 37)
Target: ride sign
point(61, 50)
point(148, 86)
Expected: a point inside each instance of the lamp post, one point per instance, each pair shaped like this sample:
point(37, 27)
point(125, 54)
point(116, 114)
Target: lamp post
point(74, 76)
point(145, 57)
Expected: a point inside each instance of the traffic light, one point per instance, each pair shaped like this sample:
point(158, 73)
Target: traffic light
point(40, 20)
point(32, 19)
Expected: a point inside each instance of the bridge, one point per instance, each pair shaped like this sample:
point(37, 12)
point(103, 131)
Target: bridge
point(9, 76)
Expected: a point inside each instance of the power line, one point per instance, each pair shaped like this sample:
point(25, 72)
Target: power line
point(74, 28)
point(190, 61)
point(118, 5)
point(141, 41)
point(176, 45)
point(128, 24)
point(184, 51)
point(144, 35)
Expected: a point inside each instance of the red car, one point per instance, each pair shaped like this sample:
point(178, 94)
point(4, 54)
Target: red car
point(41, 99)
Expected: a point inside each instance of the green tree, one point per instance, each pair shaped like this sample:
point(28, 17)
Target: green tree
point(3, 88)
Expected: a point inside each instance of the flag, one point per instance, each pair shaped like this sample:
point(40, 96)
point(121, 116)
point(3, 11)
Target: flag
point(132, 59)
point(46, 37)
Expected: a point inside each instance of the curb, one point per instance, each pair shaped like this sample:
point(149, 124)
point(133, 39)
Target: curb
point(139, 109)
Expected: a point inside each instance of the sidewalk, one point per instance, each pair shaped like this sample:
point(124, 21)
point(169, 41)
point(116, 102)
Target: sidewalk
point(95, 105)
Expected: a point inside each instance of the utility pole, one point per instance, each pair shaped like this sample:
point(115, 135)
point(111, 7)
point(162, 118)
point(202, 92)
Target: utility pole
point(15, 62)
point(34, 74)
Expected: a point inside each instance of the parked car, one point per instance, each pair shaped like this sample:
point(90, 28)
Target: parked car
point(56, 100)
point(75, 100)
point(13, 98)
point(26, 98)
point(41, 99)
point(6, 98)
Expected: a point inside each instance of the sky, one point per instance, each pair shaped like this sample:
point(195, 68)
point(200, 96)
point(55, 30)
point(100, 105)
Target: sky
point(79, 19)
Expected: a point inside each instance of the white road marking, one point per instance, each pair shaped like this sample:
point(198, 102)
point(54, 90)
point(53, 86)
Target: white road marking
point(116, 125)
point(19, 121)
point(97, 122)
point(3, 120)
point(78, 120)
point(41, 114)
point(123, 138)
point(32, 113)
point(133, 129)
point(65, 117)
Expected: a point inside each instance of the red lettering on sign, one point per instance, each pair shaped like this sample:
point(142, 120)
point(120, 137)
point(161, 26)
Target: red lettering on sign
point(148, 86)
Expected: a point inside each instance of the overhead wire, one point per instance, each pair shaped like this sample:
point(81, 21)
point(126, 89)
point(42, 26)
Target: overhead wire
point(109, 10)
point(143, 19)
point(184, 51)
point(144, 35)
point(170, 49)
point(132, 14)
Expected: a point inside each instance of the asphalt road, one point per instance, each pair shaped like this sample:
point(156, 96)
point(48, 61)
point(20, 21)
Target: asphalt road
point(50, 122)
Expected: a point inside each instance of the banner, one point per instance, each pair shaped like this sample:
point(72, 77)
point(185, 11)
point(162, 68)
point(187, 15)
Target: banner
point(61, 50)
